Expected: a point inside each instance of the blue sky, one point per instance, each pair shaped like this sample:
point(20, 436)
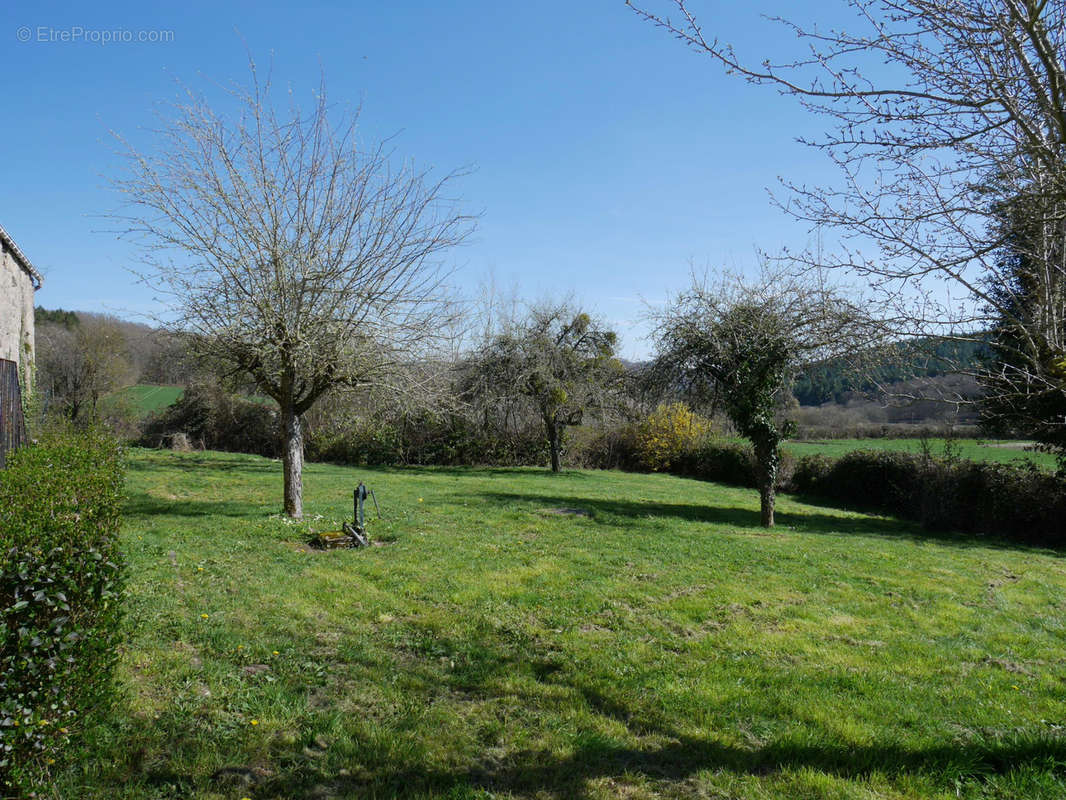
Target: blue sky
point(608, 157)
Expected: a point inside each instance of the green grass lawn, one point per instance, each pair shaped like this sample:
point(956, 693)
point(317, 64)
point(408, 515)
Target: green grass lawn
point(974, 449)
point(149, 398)
point(586, 635)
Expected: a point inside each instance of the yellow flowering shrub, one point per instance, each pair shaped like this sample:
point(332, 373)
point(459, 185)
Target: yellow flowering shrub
point(670, 431)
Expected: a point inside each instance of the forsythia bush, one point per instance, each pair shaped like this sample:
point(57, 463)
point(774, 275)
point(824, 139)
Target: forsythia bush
point(668, 433)
point(61, 577)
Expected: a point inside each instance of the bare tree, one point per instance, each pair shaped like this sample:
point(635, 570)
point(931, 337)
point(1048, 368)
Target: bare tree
point(78, 364)
point(738, 345)
point(558, 359)
point(304, 260)
point(941, 113)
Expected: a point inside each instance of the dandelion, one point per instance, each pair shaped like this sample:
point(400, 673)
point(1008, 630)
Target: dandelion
point(203, 616)
point(419, 499)
point(276, 653)
point(199, 569)
point(240, 647)
point(255, 722)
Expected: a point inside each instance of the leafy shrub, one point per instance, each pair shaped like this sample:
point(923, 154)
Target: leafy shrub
point(597, 447)
point(61, 577)
point(217, 420)
point(425, 438)
point(810, 474)
point(1015, 500)
point(877, 479)
point(734, 463)
point(720, 461)
point(670, 431)
point(368, 442)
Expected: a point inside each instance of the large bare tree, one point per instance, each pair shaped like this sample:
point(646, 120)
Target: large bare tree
point(293, 254)
point(940, 114)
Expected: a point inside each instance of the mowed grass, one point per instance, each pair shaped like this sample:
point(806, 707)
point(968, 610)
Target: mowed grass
point(583, 635)
point(973, 449)
point(149, 398)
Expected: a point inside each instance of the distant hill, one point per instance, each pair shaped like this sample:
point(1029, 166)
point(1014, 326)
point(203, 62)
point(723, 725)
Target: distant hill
point(836, 381)
point(58, 316)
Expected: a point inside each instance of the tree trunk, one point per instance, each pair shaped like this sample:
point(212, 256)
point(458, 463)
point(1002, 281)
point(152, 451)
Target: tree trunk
point(553, 442)
point(766, 502)
point(767, 458)
point(293, 462)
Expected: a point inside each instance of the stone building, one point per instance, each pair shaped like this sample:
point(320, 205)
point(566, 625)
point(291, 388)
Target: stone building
point(18, 281)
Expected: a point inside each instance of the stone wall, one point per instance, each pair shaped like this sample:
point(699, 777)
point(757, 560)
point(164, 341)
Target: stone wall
point(16, 317)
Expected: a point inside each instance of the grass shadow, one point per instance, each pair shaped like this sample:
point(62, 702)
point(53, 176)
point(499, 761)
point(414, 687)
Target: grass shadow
point(652, 749)
point(486, 471)
point(184, 462)
point(627, 512)
point(506, 667)
point(144, 505)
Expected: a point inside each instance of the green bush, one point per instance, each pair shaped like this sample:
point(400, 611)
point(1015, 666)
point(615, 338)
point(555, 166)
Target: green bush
point(426, 439)
point(598, 447)
point(723, 461)
point(217, 420)
point(1016, 500)
point(367, 442)
point(877, 479)
point(61, 577)
point(810, 474)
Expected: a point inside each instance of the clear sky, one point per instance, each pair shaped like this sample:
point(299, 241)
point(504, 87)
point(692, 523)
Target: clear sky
point(607, 156)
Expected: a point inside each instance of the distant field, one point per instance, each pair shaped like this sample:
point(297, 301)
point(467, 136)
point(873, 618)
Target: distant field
point(148, 398)
point(519, 635)
point(974, 449)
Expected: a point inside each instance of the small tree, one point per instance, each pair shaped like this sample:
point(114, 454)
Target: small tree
point(558, 358)
point(306, 262)
point(739, 346)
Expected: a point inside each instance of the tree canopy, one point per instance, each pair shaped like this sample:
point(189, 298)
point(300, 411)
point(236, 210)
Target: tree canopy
point(738, 345)
point(558, 358)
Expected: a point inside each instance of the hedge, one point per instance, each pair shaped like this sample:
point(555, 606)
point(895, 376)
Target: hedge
point(1016, 500)
point(61, 579)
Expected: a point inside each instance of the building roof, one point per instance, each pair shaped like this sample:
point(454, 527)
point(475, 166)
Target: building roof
point(10, 246)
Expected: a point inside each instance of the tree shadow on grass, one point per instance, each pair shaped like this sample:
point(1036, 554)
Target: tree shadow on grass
point(488, 472)
point(631, 513)
point(666, 758)
point(201, 464)
point(546, 774)
point(144, 505)
point(535, 681)
point(661, 753)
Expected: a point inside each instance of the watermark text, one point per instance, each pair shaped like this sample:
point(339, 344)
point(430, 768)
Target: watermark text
point(79, 34)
